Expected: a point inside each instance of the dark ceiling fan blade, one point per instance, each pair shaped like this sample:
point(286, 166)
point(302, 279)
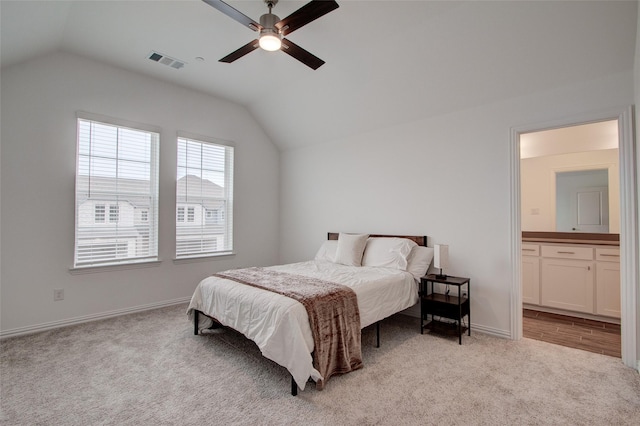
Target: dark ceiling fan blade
point(247, 48)
point(307, 13)
point(234, 14)
point(300, 54)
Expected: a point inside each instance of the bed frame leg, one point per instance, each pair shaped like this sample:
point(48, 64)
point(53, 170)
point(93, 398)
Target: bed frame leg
point(195, 322)
point(294, 387)
point(378, 334)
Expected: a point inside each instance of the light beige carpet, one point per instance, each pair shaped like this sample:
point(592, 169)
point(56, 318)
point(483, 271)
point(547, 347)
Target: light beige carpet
point(149, 369)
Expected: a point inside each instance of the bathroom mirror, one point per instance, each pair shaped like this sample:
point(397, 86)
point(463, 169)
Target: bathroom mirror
point(582, 201)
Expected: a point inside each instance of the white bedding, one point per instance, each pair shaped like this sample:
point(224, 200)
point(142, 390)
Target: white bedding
point(279, 325)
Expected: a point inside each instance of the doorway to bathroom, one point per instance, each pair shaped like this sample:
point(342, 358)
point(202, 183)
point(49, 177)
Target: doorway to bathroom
point(565, 208)
point(627, 229)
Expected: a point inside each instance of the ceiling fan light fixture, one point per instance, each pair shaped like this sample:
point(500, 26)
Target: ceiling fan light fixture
point(272, 29)
point(270, 42)
point(269, 36)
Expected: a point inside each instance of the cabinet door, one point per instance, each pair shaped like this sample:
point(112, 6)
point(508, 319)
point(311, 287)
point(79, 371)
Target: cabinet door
point(568, 284)
point(531, 280)
point(608, 289)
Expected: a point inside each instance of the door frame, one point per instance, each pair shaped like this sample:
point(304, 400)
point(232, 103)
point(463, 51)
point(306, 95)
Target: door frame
point(629, 276)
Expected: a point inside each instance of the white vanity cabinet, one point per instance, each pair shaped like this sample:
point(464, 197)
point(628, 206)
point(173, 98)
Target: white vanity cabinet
point(608, 282)
point(531, 274)
point(567, 278)
point(572, 277)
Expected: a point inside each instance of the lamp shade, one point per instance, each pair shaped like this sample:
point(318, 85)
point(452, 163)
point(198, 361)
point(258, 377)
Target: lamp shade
point(441, 256)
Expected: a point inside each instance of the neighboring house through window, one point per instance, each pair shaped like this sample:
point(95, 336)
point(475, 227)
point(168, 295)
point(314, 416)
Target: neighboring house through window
point(117, 174)
point(204, 186)
point(100, 213)
point(114, 213)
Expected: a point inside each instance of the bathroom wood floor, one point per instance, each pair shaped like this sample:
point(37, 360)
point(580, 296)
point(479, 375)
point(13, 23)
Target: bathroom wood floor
point(589, 335)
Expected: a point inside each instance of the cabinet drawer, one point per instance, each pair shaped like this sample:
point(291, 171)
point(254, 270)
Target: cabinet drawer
point(568, 252)
point(608, 254)
point(530, 250)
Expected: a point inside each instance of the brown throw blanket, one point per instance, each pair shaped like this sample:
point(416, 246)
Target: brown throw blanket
point(333, 315)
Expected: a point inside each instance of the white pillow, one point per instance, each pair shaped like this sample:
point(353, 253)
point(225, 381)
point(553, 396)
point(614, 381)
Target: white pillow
point(350, 249)
point(327, 251)
point(388, 252)
point(419, 260)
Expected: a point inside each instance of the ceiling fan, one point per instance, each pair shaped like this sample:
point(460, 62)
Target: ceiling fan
point(272, 29)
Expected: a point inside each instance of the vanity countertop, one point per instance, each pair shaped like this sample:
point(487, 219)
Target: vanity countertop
point(571, 238)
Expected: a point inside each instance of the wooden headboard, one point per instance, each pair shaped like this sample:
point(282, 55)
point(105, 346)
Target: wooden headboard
point(420, 240)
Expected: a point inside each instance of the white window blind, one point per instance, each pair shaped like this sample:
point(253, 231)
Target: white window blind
point(204, 184)
point(116, 176)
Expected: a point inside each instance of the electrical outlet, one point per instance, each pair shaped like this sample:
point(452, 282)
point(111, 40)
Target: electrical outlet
point(58, 294)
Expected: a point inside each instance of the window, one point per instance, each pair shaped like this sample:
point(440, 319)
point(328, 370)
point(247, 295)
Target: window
point(117, 250)
point(205, 185)
point(214, 216)
point(116, 175)
point(114, 213)
point(100, 210)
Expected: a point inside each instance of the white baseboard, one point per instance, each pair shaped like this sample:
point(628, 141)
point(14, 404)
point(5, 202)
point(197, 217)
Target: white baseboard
point(87, 318)
point(503, 334)
point(110, 314)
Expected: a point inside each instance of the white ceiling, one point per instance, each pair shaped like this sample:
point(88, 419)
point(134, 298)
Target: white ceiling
point(387, 62)
point(585, 137)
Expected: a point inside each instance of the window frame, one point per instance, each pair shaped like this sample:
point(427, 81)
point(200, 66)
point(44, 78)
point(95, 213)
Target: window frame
point(201, 215)
point(112, 209)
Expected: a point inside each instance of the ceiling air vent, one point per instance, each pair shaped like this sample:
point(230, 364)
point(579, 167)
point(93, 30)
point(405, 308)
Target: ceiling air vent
point(166, 60)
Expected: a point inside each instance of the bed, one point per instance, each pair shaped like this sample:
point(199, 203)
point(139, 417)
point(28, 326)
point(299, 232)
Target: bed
point(382, 271)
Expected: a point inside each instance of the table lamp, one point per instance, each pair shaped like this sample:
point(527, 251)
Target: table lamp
point(441, 259)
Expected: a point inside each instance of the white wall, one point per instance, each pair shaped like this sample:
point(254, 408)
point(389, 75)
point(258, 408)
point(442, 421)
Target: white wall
point(538, 186)
point(446, 177)
point(39, 103)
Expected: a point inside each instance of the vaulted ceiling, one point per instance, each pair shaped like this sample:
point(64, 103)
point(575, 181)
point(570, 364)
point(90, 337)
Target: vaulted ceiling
point(387, 62)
